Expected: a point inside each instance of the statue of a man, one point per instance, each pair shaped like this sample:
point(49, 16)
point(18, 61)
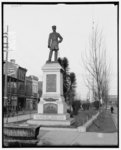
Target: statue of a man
point(53, 43)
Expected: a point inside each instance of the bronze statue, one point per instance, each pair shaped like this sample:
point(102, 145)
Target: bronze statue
point(53, 43)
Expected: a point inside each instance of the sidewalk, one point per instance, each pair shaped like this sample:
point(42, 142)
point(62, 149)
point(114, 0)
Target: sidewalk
point(115, 117)
point(61, 138)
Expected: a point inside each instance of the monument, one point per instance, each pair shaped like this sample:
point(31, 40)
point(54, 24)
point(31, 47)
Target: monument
point(52, 109)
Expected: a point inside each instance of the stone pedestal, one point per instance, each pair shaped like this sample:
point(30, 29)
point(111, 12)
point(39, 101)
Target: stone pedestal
point(52, 109)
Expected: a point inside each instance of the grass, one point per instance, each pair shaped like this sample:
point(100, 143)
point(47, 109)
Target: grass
point(83, 116)
point(104, 123)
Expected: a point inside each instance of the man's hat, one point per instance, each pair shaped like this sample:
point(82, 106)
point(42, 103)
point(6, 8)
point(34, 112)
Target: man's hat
point(53, 26)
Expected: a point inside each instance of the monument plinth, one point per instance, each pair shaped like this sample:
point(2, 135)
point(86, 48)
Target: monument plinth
point(52, 109)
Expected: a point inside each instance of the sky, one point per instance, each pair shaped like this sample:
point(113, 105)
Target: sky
point(30, 25)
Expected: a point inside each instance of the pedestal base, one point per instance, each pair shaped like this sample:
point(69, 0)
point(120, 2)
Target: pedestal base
point(67, 122)
point(51, 116)
point(52, 105)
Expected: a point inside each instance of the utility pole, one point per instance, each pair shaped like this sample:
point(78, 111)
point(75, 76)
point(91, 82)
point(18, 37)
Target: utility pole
point(5, 49)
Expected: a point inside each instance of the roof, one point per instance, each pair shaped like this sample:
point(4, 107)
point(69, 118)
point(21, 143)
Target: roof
point(34, 77)
point(23, 68)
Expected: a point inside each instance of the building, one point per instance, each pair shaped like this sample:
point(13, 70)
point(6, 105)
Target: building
point(40, 89)
point(11, 84)
point(35, 96)
point(21, 74)
point(29, 97)
point(113, 100)
point(15, 85)
point(23, 92)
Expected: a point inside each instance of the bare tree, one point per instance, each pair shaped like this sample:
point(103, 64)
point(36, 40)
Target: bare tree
point(96, 66)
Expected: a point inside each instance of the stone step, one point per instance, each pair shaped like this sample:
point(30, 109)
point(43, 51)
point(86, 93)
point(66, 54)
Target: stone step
point(19, 143)
point(21, 131)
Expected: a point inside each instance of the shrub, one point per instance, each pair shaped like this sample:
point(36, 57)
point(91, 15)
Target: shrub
point(76, 107)
point(96, 104)
point(86, 106)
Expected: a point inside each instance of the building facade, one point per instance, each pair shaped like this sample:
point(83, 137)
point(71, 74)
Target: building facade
point(15, 86)
point(23, 92)
point(21, 74)
point(35, 96)
point(29, 97)
point(113, 100)
point(40, 89)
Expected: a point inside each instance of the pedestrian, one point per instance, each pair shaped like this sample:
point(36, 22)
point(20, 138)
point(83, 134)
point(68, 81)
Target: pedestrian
point(112, 109)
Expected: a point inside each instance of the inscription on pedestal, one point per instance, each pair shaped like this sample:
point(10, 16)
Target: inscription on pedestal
point(51, 83)
point(50, 108)
point(50, 99)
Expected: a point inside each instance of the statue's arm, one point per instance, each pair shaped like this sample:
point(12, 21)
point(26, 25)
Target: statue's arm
point(60, 37)
point(49, 40)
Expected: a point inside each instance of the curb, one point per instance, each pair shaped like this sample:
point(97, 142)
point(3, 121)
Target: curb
point(58, 129)
point(88, 123)
point(112, 115)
